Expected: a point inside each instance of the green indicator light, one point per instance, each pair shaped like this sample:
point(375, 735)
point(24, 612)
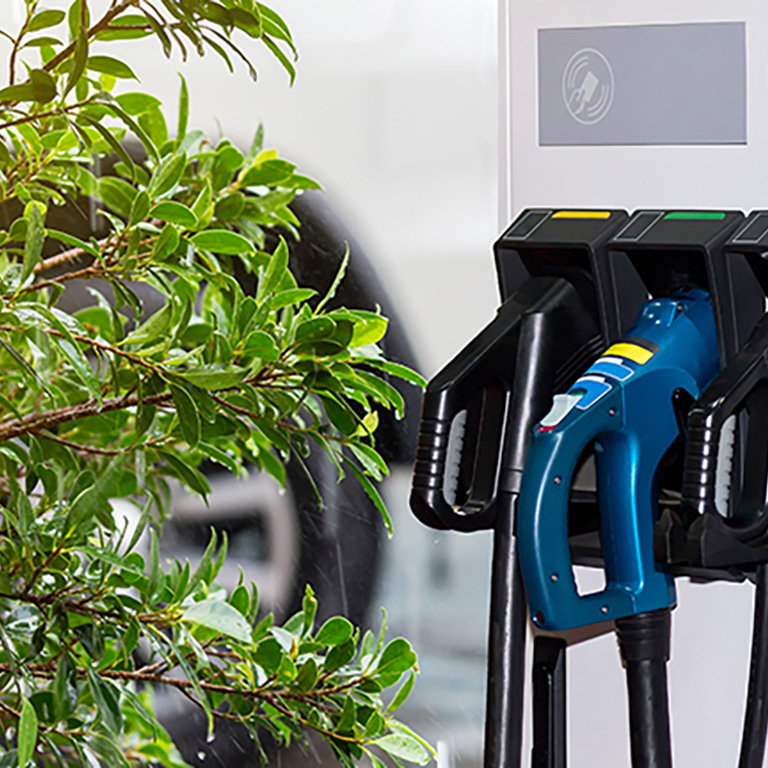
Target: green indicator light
point(695, 216)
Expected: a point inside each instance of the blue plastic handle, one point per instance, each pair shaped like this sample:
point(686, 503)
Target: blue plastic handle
point(624, 405)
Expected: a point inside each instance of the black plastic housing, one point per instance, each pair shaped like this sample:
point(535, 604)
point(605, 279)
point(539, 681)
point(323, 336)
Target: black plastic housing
point(540, 324)
point(736, 537)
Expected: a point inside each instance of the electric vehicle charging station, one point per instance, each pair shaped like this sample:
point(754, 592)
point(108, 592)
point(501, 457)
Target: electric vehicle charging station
point(693, 171)
point(653, 107)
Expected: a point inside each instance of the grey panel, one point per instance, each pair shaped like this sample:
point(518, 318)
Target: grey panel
point(526, 225)
point(754, 231)
point(648, 84)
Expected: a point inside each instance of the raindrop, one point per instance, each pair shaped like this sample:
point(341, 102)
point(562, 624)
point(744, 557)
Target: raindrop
point(210, 737)
point(201, 755)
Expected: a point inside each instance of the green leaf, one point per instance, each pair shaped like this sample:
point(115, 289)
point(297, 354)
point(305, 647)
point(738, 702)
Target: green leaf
point(213, 377)
point(71, 240)
point(81, 367)
point(45, 19)
point(95, 500)
point(402, 695)
point(335, 631)
point(278, 266)
point(269, 654)
point(403, 746)
point(167, 175)
point(372, 492)
point(189, 418)
point(348, 716)
point(219, 616)
point(260, 344)
point(339, 414)
point(25, 366)
point(331, 292)
point(339, 655)
point(117, 194)
point(27, 733)
point(230, 207)
point(33, 245)
point(190, 477)
point(167, 242)
point(307, 676)
point(291, 296)
point(41, 42)
point(139, 208)
point(280, 56)
point(396, 658)
point(222, 241)
point(374, 725)
point(204, 563)
point(154, 328)
point(309, 609)
point(65, 688)
point(176, 213)
point(315, 329)
point(40, 87)
point(395, 369)
point(137, 103)
point(91, 639)
point(110, 66)
point(369, 328)
point(80, 58)
point(154, 564)
point(181, 128)
point(107, 701)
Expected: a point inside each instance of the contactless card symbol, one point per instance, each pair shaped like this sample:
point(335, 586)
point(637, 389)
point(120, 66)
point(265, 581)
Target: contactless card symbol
point(588, 86)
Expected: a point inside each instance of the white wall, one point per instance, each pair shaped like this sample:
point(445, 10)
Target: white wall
point(712, 625)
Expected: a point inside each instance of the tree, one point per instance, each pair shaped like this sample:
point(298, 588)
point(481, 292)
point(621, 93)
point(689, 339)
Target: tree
point(110, 402)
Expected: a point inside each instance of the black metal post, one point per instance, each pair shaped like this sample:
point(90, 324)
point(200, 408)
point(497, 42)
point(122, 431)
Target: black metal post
point(506, 654)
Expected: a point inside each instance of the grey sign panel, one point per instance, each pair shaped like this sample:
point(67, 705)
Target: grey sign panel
point(648, 84)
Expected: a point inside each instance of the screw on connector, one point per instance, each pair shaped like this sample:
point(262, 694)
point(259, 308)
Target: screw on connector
point(604, 609)
point(611, 411)
point(558, 480)
point(554, 577)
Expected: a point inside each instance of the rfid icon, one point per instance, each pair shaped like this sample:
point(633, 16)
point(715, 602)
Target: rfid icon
point(588, 86)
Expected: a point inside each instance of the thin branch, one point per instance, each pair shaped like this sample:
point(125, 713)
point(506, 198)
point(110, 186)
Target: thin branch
point(16, 45)
point(43, 115)
point(79, 447)
point(48, 419)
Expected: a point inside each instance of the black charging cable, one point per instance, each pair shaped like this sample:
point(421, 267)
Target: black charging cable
point(756, 712)
point(644, 642)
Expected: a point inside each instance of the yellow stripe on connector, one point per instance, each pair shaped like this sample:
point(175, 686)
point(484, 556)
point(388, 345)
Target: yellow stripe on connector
point(582, 215)
point(631, 352)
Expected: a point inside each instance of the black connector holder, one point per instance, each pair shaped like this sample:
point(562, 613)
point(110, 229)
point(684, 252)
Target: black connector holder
point(697, 538)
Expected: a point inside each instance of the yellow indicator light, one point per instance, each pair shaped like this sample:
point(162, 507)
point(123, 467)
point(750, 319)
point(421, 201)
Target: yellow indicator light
point(631, 352)
point(582, 215)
